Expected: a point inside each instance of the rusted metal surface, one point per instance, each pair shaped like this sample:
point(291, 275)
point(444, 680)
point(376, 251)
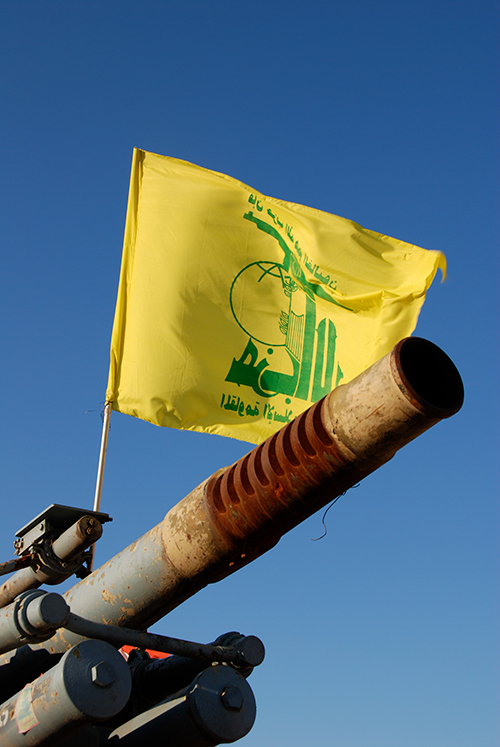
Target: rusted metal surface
point(242, 511)
point(279, 484)
point(15, 565)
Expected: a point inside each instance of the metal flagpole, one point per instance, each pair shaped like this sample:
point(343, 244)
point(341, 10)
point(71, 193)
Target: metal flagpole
point(100, 468)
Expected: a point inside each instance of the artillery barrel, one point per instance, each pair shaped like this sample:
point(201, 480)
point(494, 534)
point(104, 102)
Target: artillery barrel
point(242, 511)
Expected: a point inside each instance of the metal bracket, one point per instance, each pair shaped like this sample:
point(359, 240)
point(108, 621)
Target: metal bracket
point(50, 524)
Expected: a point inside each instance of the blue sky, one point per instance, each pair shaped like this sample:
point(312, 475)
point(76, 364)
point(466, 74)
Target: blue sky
point(384, 633)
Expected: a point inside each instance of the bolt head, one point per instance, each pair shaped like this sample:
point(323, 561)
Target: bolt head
point(103, 674)
point(232, 698)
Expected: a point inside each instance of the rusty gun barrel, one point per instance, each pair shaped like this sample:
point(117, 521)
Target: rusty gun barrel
point(242, 511)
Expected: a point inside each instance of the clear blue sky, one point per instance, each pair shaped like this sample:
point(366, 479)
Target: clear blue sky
point(384, 633)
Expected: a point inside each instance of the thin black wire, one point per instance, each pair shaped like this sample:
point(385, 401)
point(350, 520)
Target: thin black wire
point(315, 539)
point(96, 409)
point(101, 406)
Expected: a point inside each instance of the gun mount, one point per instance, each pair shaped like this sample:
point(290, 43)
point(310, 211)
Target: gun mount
point(52, 547)
point(242, 511)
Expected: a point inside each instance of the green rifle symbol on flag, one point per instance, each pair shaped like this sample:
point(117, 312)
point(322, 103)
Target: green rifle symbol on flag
point(310, 347)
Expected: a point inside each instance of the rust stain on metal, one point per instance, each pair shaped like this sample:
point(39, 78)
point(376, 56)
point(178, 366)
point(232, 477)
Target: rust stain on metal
point(42, 688)
point(14, 565)
point(278, 489)
point(128, 611)
point(108, 597)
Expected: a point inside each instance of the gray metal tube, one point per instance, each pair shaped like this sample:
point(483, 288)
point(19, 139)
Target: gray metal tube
point(91, 683)
point(241, 512)
point(34, 617)
point(77, 538)
point(218, 707)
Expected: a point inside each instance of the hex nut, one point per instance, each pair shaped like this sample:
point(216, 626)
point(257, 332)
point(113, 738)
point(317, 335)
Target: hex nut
point(232, 698)
point(103, 674)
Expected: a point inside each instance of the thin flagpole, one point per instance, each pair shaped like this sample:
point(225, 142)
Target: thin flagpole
point(100, 468)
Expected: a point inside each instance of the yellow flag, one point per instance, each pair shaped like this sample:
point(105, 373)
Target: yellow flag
point(237, 311)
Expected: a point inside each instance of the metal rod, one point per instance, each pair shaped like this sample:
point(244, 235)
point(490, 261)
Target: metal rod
point(100, 467)
point(248, 650)
point(14, 565)
point(102, 455)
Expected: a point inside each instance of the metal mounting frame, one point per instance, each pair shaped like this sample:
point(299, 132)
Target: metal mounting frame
point(52, 521)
